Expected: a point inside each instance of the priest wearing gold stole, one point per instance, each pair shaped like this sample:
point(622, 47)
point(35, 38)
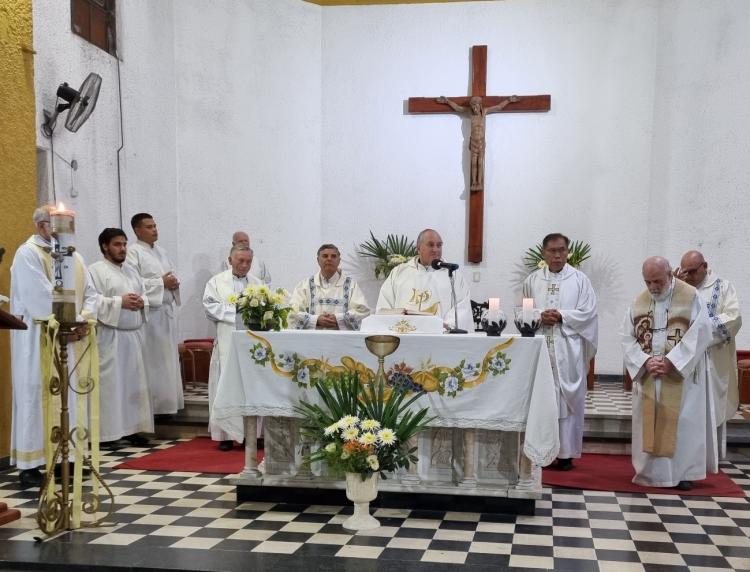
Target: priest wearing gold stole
point(31, 298)
point(160, 332)
point(571, 328)
point(665, 334)
point(723, 308)
point(328, 300)
point(415, 286)
point(221, 310)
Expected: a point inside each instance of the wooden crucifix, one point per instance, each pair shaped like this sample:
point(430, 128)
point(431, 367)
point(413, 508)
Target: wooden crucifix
point(477, 105)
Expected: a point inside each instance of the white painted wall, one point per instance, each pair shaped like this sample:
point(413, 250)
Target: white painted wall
point(287, 120)
point(248, 139)
point(642, 137)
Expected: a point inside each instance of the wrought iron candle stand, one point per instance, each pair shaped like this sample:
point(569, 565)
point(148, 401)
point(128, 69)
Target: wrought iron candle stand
point(55, 511)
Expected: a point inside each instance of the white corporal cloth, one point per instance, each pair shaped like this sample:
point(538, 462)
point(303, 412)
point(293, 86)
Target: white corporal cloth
point(498, 383)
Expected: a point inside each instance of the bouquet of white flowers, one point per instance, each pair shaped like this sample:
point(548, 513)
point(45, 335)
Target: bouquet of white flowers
point(261, 308)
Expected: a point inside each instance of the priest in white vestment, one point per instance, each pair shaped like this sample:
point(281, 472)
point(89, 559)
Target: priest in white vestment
point(415, 286)
point(571, 327)
point(31, 299)
point(723, 308)
point(327, 300)
point(665, 335)
point(259, 269)
point(124, 394)
point(222, 312)
point(160, 353)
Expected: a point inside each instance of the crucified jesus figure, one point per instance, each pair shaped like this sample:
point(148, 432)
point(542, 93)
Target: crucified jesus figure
point(478, 113)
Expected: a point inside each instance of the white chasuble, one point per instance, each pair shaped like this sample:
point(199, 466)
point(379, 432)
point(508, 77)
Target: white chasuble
point(223, 313)
point(571, 343)
point(339, 296)
point(419, 288)
point(160, 353)
point(695, 450)
point(31, 299)
point(125, 398)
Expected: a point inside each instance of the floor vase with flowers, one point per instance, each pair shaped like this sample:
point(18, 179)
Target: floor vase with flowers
point(361, 493)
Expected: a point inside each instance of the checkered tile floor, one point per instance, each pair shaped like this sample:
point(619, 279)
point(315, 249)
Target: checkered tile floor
point(608, 399)
point(191, 521)
point(195, 391)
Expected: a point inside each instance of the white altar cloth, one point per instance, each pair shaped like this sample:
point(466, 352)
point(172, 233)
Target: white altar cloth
point(470, 381)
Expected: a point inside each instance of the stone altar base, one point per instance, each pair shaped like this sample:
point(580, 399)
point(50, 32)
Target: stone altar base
point(295, 494)
point(479, 470)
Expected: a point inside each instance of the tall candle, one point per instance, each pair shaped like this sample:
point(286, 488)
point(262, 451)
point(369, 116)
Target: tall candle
point(62, 222)
point(527, 312)
point(494, 304)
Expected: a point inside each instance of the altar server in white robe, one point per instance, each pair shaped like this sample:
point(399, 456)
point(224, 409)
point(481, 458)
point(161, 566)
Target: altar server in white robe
point(415, 286)
point(160, 333)
point(328, 300)
point(125, 398)
point(571, 327)
point(723, 308)
point(222, 312)
point(665, 335)
point(259, 269)
point(31, 298)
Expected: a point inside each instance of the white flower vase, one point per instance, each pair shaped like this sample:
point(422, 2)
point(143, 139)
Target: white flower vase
point(361, 493)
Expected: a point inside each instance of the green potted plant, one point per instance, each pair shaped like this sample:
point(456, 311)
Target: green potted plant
point(362, 430)
point(389, 253)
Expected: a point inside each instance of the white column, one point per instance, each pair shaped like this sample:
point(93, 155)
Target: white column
point(251, 448)
point(469, 459)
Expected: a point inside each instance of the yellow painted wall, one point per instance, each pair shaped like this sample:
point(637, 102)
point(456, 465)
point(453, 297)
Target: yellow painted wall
point(17, 164)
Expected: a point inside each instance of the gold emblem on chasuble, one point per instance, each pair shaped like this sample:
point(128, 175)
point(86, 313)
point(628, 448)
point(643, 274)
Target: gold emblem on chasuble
point(419, 297)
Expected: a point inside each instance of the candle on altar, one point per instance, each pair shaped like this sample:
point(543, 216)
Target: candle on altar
point(527, 312)
point(62, 223)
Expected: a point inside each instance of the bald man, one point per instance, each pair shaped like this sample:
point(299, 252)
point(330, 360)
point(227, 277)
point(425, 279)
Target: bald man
point(415, 286)
point(665, 334)
point(259, 269)
point(723, 308)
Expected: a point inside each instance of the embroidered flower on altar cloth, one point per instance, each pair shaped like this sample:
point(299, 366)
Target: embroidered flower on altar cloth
point(303, 376)
point(470, 370)
point(451, 384)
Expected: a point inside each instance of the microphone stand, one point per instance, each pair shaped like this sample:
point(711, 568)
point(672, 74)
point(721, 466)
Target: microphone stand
point(455, 329)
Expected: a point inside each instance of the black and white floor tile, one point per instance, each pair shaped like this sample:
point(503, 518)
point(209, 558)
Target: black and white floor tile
point(190, 521)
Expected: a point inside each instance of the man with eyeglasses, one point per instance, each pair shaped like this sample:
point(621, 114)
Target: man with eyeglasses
point(723, 307)
point(664, 337)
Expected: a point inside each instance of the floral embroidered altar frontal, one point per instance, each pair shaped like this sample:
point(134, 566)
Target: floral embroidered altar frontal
point(480, 386)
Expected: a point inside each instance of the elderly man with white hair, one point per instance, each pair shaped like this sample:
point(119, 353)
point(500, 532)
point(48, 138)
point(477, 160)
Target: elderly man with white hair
point(664, 337)
point(31, 283)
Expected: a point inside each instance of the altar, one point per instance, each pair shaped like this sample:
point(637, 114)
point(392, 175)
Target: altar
point(493, 399)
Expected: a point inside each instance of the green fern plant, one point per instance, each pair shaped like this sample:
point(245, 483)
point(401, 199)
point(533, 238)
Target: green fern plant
point(389, 253)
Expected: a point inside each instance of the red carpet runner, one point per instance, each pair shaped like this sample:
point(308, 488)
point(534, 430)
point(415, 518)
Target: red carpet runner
point(199, 455)
point(614, 473)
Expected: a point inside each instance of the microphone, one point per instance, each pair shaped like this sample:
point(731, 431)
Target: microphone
point(439, 265)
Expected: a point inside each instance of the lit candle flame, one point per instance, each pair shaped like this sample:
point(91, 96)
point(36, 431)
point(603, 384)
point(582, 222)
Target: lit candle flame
point(60, 206)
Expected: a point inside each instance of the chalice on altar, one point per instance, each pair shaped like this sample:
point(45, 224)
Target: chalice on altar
point(527, 321)
point(381, 346)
